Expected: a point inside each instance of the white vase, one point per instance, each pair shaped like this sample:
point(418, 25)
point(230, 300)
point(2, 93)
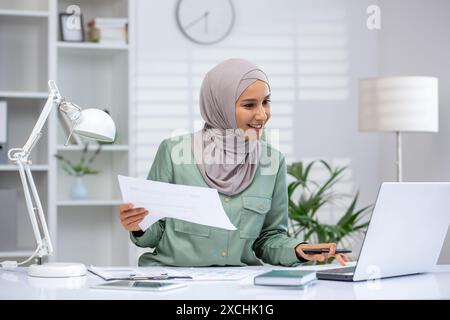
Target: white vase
point(78, 190)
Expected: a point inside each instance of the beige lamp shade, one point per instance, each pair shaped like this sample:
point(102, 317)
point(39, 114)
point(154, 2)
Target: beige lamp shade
point(398, 104)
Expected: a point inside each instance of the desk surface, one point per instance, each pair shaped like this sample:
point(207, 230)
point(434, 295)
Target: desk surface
point(17, 285)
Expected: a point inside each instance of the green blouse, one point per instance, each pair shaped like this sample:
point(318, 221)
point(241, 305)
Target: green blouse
point(260, 213)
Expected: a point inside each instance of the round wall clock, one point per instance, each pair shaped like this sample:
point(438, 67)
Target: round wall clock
point(205, 21)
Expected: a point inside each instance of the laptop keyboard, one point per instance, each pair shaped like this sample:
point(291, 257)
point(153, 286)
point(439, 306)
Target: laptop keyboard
point(341, 270)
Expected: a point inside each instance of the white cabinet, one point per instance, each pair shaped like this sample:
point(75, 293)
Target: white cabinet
point(92, 75)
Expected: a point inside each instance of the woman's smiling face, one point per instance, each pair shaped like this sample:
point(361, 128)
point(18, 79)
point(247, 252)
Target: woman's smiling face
point(253, 109)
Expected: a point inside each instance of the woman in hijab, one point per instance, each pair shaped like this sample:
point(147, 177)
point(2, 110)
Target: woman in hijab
point(229, 155)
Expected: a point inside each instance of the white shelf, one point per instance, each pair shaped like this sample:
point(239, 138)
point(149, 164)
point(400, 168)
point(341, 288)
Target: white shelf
point(91, 46)
point(24, 94)
point(92, 147)
point(24, 13)
point(22, 253)
point(12, 167)
point(87, 203)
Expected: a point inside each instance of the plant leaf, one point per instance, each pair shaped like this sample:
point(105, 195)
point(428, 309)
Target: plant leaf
point(312, 196)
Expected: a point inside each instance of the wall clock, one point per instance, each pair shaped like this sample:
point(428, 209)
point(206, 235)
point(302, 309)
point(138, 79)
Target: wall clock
point(205, 21)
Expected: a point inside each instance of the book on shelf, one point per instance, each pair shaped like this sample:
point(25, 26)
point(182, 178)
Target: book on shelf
point(108, 30)
point(285, 277)
point(108, 23)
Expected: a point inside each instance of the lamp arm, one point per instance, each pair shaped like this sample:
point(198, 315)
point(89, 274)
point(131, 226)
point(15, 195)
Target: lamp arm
point(36, 214)
point(72, 112)
point(21, 157)
point(54, 98)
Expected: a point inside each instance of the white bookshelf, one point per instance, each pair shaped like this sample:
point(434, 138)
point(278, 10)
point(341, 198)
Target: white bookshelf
point(92, 75)
point(24, 13)
point(91, 46)
point(105, 148)
point(23, 95)
point(13, 167)
point(24, 5)
point(88, 203)
point(25, 69)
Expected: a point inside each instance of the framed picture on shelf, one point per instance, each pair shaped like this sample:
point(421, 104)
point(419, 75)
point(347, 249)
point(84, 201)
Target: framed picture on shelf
point(71, 27)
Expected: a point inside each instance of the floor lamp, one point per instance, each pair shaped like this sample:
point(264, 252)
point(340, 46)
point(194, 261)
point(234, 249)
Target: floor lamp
point(399, 104)
point(92, 123)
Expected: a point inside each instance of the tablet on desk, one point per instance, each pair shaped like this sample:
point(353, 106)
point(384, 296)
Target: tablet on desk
point(139, 285)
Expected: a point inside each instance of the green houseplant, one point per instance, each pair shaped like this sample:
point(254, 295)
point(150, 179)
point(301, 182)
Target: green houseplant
point(83, 166)
point(307, 197)
point(80, 169)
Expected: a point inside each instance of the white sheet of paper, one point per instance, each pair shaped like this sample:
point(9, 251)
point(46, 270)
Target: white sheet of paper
point(166, 200)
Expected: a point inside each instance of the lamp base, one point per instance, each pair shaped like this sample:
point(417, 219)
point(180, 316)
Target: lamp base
point(57, 270)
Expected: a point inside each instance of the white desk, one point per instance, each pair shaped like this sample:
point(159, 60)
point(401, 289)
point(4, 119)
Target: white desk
point(17, 285)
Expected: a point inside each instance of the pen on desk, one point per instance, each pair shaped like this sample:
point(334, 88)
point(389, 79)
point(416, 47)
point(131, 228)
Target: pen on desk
point(324, 250)
point(176, 277)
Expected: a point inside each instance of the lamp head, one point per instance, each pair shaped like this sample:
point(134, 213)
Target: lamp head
point(95, 124)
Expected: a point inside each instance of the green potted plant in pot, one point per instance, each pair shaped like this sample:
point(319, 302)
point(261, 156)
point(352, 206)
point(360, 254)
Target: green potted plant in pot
point(306, 199)
point(80, 169)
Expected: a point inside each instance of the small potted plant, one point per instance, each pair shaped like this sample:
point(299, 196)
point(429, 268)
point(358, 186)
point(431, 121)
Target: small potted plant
point(79, 170)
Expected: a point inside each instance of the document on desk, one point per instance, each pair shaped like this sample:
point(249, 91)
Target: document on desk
point(213, 273)
point(172, 273)
point(127, 273)
point(166, 200)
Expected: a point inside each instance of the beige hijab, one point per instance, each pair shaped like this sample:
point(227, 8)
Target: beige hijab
point(225, 159)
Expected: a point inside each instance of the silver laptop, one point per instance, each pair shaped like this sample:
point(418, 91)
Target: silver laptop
point(405, 235)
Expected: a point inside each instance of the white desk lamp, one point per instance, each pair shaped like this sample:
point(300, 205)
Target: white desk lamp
point(399, 104)
point(92, 123)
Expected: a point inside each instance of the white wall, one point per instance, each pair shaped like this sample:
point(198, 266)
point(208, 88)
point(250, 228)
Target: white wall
point(414, 40)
